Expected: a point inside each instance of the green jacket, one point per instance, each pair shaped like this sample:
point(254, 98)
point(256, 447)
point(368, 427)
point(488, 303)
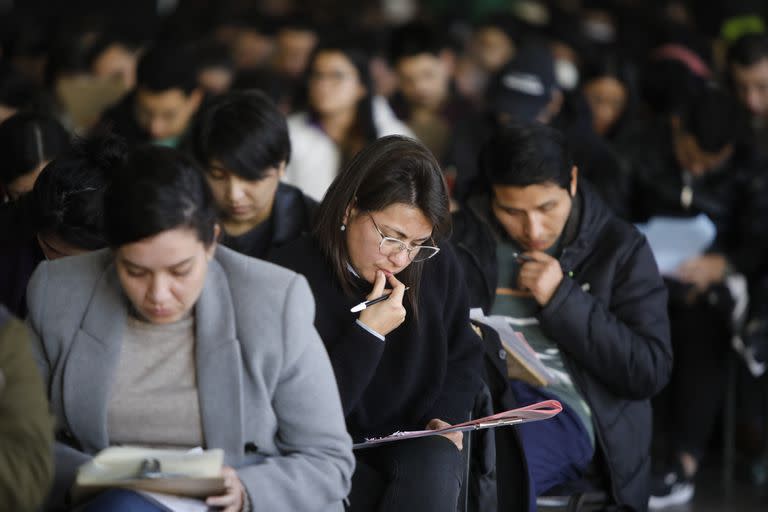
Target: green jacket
point(26, 425)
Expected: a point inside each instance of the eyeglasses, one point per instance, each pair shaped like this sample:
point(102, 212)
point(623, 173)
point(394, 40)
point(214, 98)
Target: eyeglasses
point(390, 246)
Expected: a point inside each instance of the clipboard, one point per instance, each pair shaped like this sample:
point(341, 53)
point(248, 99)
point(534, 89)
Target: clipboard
point(534, 412)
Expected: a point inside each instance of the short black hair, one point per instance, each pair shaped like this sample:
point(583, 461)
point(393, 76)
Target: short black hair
point(167, 67)
point(68, 197)
point(714, 119)
point(155, 190)
point(414, 39)
point(28, 139)
point(748, 50)
point(524, 154)
point(244, 131)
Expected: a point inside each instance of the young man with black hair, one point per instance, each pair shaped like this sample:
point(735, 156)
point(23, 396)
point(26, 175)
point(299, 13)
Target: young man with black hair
point(241, 140)
point(541, 249)
point(427, 99)
point(166, 97)
point(697, 168)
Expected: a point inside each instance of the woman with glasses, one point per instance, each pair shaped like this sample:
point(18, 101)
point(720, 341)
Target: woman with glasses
point(342, 116)
point(411, 361)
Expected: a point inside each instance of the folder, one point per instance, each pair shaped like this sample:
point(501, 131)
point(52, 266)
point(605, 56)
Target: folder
point(534, 412)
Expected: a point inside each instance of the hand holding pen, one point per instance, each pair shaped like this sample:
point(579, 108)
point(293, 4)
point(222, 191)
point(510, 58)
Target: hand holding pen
point(387, 314)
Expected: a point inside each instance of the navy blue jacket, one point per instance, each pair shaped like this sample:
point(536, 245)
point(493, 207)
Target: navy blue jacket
point(609, 318)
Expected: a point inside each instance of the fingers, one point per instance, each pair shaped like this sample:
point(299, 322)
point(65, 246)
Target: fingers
point(378, 286)
point(232, 500)
point(436, 424)
point(398, 289)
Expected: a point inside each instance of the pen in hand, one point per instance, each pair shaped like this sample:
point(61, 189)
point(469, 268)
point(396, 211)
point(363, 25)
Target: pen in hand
point(369, 303)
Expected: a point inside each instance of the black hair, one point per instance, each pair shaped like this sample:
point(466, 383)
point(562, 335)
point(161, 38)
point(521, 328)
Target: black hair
point(613, 65)
point(359, 59)
point(714, 119)
point(68, 197)
point(524, 154)
point(244, 131)
point(748, 50)
point(392, 170)
point(167, 67)
point(414, 39)
point(212, 54)
point(155, 190)
point(107, 40)
point(26, 141)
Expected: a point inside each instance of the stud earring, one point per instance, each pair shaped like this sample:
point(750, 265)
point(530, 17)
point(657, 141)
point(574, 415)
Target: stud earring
point(343, 227)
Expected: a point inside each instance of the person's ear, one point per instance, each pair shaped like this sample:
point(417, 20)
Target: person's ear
point(281, 169)
point(194, 99)
point(349, 213)
point(574, 180)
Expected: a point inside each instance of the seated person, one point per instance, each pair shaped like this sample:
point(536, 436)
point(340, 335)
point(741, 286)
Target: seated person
point(427, 99)
point(342, 116)
point(241, 140)
point(61, 216)
point(412, 361)
point(28, 141)
point(540, 248)
point(698, 165)
point(26, 427)
point(180, 343)
point(160, 107)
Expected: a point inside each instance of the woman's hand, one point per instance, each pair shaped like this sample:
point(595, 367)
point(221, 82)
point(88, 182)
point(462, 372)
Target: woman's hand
point(234, 499)
point(387, 315)
point(456, 438)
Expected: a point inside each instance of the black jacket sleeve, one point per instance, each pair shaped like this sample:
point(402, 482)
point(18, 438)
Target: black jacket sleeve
point(624, 344)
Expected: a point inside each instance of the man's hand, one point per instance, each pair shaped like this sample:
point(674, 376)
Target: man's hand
point(703, 271)
point(541, 276)
point(456, 438)
point(234, 498)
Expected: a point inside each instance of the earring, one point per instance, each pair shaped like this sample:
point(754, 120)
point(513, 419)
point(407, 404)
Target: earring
point(343, 227)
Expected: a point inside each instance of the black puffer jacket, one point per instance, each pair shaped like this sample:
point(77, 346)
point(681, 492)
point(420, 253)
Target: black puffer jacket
point(609, 317)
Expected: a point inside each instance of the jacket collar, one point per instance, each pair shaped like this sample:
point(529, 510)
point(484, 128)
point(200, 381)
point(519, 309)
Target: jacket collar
point(291, 214)
point(95, 354)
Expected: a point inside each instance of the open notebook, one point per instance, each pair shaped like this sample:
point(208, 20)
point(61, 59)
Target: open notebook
point(195, 473)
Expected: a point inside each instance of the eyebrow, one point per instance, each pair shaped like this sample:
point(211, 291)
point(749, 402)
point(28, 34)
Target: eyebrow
point(174, 266)
point(400, 234)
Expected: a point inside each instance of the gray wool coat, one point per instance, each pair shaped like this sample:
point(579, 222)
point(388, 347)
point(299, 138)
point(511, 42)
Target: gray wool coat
point(266, 388)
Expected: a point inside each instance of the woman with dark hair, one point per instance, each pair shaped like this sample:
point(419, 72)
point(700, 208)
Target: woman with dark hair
point(61, 216)
point(241, 141)
point(342, 116)
point(608, 85)
point(166, 340)
point(28, 141)
point(412, 361)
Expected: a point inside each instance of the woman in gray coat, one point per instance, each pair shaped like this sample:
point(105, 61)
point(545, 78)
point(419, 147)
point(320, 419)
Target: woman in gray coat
point(167, 340)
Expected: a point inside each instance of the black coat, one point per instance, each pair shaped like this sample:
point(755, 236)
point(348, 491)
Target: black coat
point(291, 217)
point(424, 370)
point(610, 322)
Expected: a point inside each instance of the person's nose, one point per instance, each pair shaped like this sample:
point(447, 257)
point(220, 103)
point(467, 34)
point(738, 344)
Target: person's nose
point(533, 227)
point(753, 101)
point(234, 190)
point(399, 258)
point(159, 291)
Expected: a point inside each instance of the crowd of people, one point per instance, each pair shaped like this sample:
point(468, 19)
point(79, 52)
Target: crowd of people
point(193, 195)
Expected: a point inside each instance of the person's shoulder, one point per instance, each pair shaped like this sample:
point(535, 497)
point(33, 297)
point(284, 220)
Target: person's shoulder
point(243, 270)
point(81, 269)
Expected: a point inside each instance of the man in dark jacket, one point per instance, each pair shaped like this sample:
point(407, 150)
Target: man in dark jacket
point(541, 249)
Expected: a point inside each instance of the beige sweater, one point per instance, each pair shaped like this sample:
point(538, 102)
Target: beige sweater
point(153, 400)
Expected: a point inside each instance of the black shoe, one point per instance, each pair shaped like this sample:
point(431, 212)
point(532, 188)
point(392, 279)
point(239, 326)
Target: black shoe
point(670, 488)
